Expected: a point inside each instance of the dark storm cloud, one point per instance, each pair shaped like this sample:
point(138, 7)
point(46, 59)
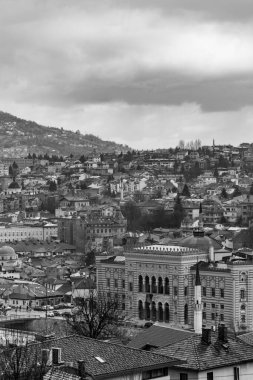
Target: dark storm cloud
point(94, 63)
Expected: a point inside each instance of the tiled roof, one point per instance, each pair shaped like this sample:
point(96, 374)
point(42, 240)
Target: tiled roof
point(86, 283)
point(61, 374)
point(247, 338)
point(158, 336)
point(200, 356)
point(114, 260)
point(116, 359)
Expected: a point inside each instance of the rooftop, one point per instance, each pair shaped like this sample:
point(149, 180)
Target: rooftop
point(200, 356)
point(103, 359)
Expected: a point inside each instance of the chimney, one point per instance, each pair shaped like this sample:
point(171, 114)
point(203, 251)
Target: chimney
point(223, 333)
point(81, 369)
point(206, 335)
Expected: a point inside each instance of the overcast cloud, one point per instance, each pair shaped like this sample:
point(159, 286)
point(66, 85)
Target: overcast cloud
point(143, 73)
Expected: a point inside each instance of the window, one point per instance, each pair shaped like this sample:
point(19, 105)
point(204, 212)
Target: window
point(175, 291)
point(213, 316)
point(236, 373)
point(204, 315)
point(213, 305)
point(242, 293)
point(209, 376)
point(130, 286)
point(115, 283)
point(183, 376)
point(222, 306)
point(222, 293)
point(108, 282)
point(213, 292)
point(243, 318)
point(204, 304)
point(186, 291)
point(204, 291)
point(123, 284)
point(222, 317)
point(155, 373)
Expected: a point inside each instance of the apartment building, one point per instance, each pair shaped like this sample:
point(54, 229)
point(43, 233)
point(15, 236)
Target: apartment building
point(19, 232)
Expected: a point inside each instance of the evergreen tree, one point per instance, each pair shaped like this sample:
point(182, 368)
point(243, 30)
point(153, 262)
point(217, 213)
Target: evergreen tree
point(237, 192)
point(223, 220)
point(224, 193)
point(82, 159)
point(186, 191)
point(251, 189)
point(10, 171)
point(178, 213)
point(52, 186)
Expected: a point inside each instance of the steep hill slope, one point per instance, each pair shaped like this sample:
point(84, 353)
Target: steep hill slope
point(19, 137)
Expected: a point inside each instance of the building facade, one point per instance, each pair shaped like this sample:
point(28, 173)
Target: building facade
point(157, 283)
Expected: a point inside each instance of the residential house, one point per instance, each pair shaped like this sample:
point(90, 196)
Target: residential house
point(210, 356)
point(85, 358)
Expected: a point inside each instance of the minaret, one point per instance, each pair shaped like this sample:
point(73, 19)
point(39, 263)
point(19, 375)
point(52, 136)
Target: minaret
point(121, 190)
point(197, 304)
point(200, 217)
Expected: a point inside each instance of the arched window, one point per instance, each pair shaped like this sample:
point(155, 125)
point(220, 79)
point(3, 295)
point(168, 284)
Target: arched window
point(166, 286)
point(243, 294)
point(140, 284)
point(160, 285)
point(147, 311)
point(147, 285)
point(186, 314)
point(153, 311)
point(140, 309)
point(160, 312)
point(166, 312)
point(153, 286)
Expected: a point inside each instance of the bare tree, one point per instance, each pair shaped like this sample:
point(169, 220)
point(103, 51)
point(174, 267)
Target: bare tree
point(96, 316)
point(22, 363)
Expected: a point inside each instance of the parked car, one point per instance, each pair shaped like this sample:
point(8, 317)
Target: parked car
point(50, 314)
point(47, 307)
point(56, 313)
point(60, 306)
point(148, 324)
point(38, 308)
point(66, 314)
point(69, 305)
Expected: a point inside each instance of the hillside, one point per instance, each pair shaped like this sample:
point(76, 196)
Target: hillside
point(19, 137)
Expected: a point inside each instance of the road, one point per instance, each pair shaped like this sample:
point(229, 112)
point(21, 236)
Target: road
point(33, 313)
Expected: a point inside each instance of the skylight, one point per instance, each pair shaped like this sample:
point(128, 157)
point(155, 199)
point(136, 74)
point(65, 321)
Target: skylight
point(100, 359)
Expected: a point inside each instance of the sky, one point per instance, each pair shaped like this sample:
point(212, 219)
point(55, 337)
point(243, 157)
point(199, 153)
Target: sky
point(146, 73)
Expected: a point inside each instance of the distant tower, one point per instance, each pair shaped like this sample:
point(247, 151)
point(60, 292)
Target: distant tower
point(197, 304)
point(213, 145)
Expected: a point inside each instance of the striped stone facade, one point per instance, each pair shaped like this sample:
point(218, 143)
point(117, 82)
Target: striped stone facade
point(156, 283)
